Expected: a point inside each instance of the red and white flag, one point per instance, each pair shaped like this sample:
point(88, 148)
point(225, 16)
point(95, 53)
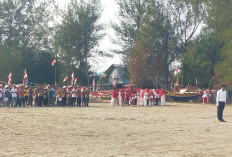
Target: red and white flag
point(94, 84)
point(65, 79)
point(72, 78)
point(75, 81)
point(9, 78)
point(114, 83)
point(53, 62)
point(25, 79)
point(176, 72)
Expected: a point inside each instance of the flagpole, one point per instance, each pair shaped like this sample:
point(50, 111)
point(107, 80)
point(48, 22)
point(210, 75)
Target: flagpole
point(55, 68)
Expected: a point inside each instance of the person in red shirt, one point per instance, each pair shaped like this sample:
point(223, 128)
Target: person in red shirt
point(113, 98)
point(151, 97)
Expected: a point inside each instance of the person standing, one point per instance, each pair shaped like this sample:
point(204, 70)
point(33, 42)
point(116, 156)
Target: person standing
point(113, 98)
point(26, 97)
point(151, 98)
point(46, 96)
point(78, 93)
point(21, 96)
point(74, 96)
point(30, 96)
point(162, 97)
point(6, 96)
point(87, 92)
point(59, 96)
point(1, 94)
point(221, 103)
point(64, 100)
point(14, 96)
point(205, 97)
point(146, 96)
point(69, 96)
point(157, 97)
point(83, 97)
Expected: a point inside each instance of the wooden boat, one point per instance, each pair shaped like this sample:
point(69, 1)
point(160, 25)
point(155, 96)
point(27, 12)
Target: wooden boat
point(188, 92)
point(183, 95)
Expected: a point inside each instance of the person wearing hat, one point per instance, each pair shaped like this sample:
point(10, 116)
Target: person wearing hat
point(13, 96)
point(1, 94)
point(221, 102)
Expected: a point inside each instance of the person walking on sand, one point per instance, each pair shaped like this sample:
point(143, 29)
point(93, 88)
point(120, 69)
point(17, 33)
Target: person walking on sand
point(221, 103)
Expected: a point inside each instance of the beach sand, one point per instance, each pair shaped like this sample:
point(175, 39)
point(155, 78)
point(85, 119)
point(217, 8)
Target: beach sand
point(175, 130)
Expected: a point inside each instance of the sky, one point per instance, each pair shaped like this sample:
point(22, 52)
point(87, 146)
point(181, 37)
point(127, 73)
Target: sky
point(110, 8)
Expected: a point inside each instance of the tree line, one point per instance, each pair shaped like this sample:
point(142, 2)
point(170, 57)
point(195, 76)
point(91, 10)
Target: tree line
point(193, 35)
point(155, 37)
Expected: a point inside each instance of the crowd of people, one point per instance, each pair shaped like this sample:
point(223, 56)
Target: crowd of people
point(139, 97)
point(43, 95)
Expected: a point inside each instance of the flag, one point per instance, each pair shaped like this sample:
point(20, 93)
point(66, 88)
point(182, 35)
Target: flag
point(176, 72)
point(65, 79)
point(9, 78)
point(72, 78)
point(53, 62)
point(114, 83)
point(93, 84)
point(75, 81)
point(103, 75)
point(25, 79)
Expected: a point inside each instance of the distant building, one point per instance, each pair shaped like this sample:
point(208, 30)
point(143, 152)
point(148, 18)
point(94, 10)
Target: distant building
point(120, 74)
point(117, 72)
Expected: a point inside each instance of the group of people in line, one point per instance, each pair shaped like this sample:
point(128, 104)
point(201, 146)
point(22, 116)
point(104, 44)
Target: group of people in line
point(139, 97)
point(43, 95)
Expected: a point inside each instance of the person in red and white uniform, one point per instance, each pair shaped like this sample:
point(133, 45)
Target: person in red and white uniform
point(145, 98)
point(162, 97)
point(141, 97)
point(113, 98)
point(157, 97)
point(151, 98)
point(205, 97)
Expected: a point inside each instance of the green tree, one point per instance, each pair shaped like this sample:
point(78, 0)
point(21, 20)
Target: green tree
point(78, 36)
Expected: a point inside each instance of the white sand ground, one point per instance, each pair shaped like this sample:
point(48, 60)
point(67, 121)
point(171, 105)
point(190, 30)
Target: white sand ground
point(179, 129)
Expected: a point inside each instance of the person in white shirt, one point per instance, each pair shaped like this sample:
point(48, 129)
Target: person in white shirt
point(14, 96)
point(221, 103)
point(146, 96)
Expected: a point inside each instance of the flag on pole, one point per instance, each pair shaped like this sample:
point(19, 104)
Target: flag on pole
point(94, 84)
point(176, 72)
point(65, 79)
point(25, 78)
point(72, 78)
point(53, 62)
point(9, 78)
point(114, 83)
point(75, 81)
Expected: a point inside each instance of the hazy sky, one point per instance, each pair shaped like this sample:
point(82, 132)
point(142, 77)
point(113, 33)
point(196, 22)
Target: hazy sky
point(109, 14)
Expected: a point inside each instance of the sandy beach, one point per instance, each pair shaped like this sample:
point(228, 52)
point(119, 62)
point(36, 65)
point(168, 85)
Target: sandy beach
point(175, 130)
